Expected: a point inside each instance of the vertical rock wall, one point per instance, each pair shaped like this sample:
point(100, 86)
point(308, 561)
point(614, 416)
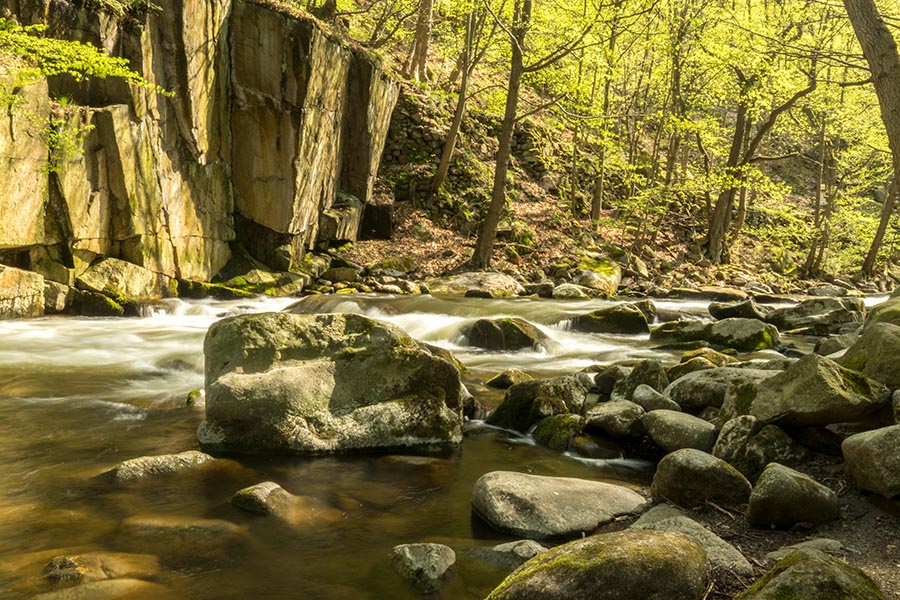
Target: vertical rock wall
point(275, 128)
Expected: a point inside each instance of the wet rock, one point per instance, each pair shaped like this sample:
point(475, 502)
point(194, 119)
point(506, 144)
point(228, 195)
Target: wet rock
point(743, 309)
point(111, 589)
point(690, 366)
point(311, 384)
point(507, 379)
point(680, 331)
point(822, 315)
point(509, 333)
point(425, 566)
point(712, 293)
point(21, 294)
point(826, 291)
point(721, 554)
point(672, 430)
point(496, 285)
point(510, 554)
point(623, 318)
point(97, 566)
point(690, 477)
point(618, 419)
point(649, 399)
point(801, 577)
point(570, 291)
point(743, 334)
point(536, 507)
point(606, 380)
point(875, 354)
point(707, 388)
point(122, 280)
point(873, 460)
point(813, 391)
point(180, 541)
point(527, 403)
point(647, 372)
point(152, 466)
point(267, 498)
point(614, 566)
point(830, 345)
point(592, 446)
point(556, 432)
point(719, 359)
point(783, 497)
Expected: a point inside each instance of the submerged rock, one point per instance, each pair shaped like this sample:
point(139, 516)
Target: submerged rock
point(632, 564)
point(537, 507)
point(111, 589)
point(151, 466)
point(181, 541)
point(311, 384)
point(97, 566)
point(425, 566)
point(510, 554)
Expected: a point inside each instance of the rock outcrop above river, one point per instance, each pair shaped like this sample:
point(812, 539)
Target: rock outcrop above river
point(165, 183)
point(313, 384)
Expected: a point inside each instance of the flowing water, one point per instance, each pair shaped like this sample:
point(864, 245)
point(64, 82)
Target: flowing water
point(78, 395)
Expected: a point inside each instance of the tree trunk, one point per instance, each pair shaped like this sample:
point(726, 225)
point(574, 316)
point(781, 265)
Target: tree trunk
point(484, 245)
point(880, 50)
point(417, 66)
point(450, 143)
point(721, 215)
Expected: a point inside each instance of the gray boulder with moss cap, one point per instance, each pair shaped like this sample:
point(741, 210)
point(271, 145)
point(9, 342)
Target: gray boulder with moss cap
point(626, 565)
point(536, 507)
point(803, 577)
point(314, 384)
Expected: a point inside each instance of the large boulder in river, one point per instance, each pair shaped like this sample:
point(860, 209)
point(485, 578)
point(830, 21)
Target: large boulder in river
point(537, 507)
point(813, 577)
point(690, 477)
point(813, 391)
point(708, 387)
point(493, 285)
point(741, 334)
point(622, 318)
point(312, 384)
point(872, 460)
point(886, 312)
point(673, 430)
point(744, 309)
point(875, 354)
point(21, 293)
point(528, 402)
point(122, 280)
point(508, 333)
point(821, 315)
point(783, 497)
point(625, 565)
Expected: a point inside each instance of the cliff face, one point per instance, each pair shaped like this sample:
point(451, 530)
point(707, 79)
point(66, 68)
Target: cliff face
point(273, 138)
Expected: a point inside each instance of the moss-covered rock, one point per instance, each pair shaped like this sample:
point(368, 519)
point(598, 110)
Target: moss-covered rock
point(803, 577)
point(875, 354)
point(645, 564)
point(742, 309)
point(310, 384)
point(749, 445)
point(622, 318)
point(556, 432)
point(504, 334)
point(708, 387)
point(783, 497)
point(507, 378)
point(527, 403)
point(819, 315)
point(690, 477)
point(152, 466)
point(598, 273)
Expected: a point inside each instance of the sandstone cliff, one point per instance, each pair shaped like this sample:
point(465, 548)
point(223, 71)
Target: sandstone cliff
point(272, 138)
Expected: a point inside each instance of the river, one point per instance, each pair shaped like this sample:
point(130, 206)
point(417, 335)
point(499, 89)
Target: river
point(78, 395)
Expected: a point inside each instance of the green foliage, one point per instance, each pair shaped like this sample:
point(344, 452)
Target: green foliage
point(63, 132)
point(125, 7)
point(46, 57)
